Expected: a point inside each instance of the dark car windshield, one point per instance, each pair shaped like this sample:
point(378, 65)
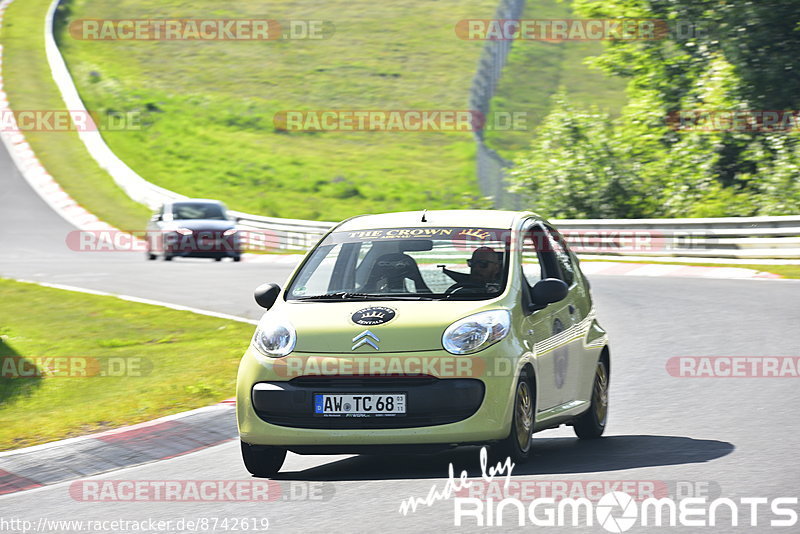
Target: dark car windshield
point(197, 210)
point(453, 263)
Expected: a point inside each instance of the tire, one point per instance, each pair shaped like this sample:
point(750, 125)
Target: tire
point(237, 258)
point(217, 259)
point(150, 256)
point(517, 445)
point(167, 257)
point(592, 423)
point(262, 460)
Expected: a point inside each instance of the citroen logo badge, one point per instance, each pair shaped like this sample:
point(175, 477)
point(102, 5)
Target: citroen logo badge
point(366, 338)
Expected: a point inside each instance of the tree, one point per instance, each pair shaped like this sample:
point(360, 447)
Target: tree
point(718, 55)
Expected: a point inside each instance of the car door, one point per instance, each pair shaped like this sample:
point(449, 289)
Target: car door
point(569, 321)
point(538, 326)
point(154, 231)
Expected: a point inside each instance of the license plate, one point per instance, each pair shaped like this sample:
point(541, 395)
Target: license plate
point(359, 404)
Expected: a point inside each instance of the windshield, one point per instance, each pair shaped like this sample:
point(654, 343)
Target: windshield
point(405, 264)
point(197, 210)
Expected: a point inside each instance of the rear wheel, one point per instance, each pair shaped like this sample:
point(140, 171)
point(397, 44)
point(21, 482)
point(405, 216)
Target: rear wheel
point(262, 460)
point(217, 259)
point(150, 255)
point(518, 443)
point(592, 423)
point(237, 258)
point(167, 257)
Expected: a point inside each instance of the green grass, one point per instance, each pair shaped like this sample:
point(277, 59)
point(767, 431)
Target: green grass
point(536, 70)
point(209, 106)
point(30, 86)
point(786, 271)
point(192, 360)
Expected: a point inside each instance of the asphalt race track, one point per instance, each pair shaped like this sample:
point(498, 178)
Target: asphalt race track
point(728, 437)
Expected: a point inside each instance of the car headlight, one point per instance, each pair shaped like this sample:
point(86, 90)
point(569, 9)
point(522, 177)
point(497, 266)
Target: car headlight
point(230, 232)
point(476, 332)
point(274, 339)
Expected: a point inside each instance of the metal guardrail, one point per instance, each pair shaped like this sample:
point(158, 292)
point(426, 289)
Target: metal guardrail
point(271, 233)
point(734, 237)
point(723, 237)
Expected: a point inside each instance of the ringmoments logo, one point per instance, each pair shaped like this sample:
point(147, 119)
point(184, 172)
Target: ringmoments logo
point(615, 510)
point(618, 511)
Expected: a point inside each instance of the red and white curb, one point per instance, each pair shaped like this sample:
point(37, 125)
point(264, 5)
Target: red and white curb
point(152, 441)
point(685, 271)
point(31, 168)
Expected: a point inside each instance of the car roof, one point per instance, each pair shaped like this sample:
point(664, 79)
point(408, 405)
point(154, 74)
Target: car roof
point(413, 219)
point(201, 200)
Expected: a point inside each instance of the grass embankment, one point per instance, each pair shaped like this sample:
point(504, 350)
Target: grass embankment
point(209, 106)
point(30, 86)
point(175, 361)
point(536, 70)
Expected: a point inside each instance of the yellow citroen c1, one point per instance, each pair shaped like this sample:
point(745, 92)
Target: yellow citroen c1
point(419, 331)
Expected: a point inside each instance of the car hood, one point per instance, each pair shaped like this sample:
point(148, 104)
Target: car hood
point(329, 327)
point(202, 224)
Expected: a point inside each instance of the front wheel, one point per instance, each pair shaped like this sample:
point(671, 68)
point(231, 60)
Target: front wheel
point(517, 445)
point(592, 423)
point(262, 460)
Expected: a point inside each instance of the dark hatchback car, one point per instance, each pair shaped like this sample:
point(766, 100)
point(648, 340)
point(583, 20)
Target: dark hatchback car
point(197, 228)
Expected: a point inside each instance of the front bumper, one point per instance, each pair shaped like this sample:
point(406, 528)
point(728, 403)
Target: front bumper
point(203, 253)
point(201, 244)
point(430, 401)
point(275, 409)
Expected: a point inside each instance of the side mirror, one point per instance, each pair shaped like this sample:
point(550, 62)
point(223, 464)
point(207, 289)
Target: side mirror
point(548, 291)
point(266, 294)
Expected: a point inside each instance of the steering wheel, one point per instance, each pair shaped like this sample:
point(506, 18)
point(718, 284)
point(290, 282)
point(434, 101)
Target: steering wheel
point(459, 286)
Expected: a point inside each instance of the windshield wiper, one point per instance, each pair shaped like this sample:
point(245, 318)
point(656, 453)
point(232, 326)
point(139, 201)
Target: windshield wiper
point(347, 295)
point(338, 295)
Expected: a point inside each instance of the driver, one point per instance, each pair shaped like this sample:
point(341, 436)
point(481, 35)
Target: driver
point(484, 270)
point(484, 266)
